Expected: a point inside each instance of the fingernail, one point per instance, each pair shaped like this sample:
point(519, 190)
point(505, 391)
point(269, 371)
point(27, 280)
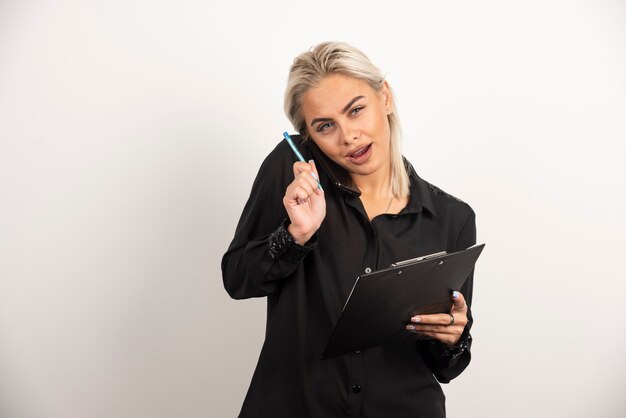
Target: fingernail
point(455, 294)
point(416, 319)
point(410, 327)
point(314, 175)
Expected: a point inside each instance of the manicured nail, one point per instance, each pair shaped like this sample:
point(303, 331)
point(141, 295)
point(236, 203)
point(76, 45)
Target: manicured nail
point(314, 175)
point(410, 327)
point(455, 294)
point(416, 319)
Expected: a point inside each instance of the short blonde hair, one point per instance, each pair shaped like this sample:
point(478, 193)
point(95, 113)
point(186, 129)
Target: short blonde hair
point(327, 58)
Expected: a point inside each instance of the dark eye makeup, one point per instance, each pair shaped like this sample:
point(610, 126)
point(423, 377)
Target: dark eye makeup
point(357, 110)
point(325, 126)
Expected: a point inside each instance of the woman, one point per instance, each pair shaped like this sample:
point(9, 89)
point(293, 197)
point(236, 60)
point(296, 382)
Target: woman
point(303, 247)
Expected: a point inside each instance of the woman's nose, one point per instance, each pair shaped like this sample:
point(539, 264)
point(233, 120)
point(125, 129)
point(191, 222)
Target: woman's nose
point(350, 133)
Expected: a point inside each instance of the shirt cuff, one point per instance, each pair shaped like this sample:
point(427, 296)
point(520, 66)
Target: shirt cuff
point(450, 354)
point(283, 247)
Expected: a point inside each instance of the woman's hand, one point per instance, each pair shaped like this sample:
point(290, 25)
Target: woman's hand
point(305, 203)
point(441, 326)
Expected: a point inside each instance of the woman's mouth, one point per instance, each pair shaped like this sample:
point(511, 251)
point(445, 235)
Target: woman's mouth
point(361, 155)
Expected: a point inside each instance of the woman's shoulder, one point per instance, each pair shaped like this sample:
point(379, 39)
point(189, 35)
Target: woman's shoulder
point(281, 154)
point(445, 197)
point(445, 204)
point(453, 215)
point(434, 197)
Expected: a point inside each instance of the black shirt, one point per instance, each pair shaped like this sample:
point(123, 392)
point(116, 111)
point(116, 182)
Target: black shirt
point(307, 286)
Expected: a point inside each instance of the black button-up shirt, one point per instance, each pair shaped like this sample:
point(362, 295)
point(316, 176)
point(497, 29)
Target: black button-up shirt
point(306, 291)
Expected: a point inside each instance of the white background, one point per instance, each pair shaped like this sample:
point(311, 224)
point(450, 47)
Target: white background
point(131, 131)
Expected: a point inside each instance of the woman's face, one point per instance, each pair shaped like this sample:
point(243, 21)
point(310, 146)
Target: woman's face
point(347, 120)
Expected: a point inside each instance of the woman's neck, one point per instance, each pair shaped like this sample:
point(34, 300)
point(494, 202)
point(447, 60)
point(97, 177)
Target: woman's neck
point(376, 185)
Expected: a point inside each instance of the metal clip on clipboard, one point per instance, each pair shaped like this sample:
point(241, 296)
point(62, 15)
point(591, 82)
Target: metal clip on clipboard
point(418, 259)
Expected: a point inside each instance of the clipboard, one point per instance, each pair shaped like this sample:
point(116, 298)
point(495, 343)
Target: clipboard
point(381, 302)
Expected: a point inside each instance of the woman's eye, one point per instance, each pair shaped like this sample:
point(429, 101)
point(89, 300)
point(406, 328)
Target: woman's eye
point(356, 110)
point(323, 127)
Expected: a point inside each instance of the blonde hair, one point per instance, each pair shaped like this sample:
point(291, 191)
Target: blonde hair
point(327, 58)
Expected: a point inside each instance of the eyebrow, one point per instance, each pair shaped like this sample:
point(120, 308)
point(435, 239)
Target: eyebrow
point(345, 109)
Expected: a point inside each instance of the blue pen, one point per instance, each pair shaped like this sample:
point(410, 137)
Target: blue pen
point(300, 157)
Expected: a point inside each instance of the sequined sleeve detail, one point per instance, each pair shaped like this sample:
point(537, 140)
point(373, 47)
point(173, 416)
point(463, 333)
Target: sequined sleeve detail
point(436, 190)
point(283, 247)
point(451, 354)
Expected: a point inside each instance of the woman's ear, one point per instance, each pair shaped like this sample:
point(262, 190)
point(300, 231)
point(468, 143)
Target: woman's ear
point(386, 92)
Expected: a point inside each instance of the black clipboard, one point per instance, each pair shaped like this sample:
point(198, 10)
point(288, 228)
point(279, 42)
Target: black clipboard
point(381, 302)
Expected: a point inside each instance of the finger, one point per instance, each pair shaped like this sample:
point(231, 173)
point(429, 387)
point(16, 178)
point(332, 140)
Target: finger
point(305, 179)
point(444, 338)
point(315, 176)
point(308, 177)
point(437, 319)
point(302, 192)
point(443, 329)
point(459, 301)
point(304, 170)
point(299, 167)
point(440, 319)
point(299, 190)
point(314, 170)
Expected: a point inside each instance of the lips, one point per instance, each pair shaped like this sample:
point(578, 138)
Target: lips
point(361, 155)
point(360, 152)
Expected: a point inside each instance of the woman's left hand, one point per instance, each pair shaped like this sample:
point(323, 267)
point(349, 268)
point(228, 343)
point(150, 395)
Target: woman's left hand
point(444, 327)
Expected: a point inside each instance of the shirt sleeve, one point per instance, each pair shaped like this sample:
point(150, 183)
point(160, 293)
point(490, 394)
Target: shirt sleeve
point(445, 362)
point(261, 253)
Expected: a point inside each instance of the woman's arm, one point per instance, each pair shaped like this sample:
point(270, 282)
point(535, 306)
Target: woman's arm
point(263, 252)
point(448, 362)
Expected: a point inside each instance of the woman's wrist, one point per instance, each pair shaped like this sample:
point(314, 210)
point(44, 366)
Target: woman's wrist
point(283, 246)
point(453, 352)
point(298, 237)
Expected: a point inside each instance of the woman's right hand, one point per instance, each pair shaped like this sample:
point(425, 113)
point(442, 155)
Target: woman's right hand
point(305, 203)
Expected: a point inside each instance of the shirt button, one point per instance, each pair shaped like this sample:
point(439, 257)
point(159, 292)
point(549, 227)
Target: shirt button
point(368, 270)
point(357, 352)
point(356, 388)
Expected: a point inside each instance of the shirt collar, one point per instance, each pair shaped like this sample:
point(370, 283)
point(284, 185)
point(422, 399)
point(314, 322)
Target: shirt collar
point(419, 189)
point(420, 196)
